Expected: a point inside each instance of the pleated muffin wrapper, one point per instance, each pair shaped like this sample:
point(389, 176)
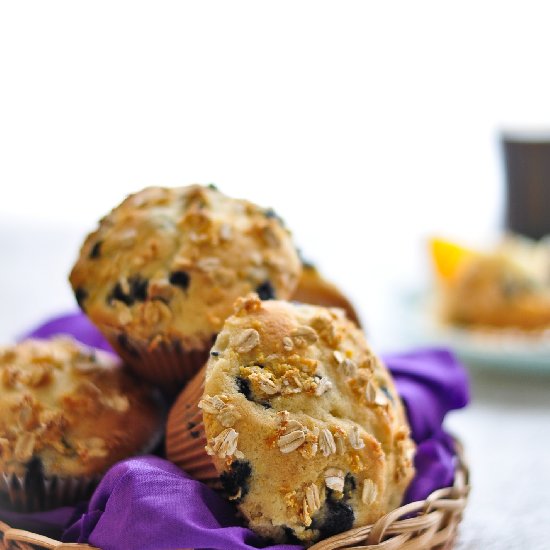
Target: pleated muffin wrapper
point(166, 364)
point(36, 492)
point(186, 436)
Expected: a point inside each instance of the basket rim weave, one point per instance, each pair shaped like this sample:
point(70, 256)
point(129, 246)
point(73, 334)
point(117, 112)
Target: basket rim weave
point(429, 524)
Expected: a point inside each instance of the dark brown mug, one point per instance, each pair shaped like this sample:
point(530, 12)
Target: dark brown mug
point(527, 169)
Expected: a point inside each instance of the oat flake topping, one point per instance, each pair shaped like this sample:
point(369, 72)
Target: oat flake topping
point(334, 479)
point(294, 438)
point(224, 445)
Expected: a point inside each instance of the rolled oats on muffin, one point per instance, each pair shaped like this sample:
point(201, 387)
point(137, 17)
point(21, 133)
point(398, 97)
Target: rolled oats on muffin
point(162, 271)
point(300, 421)
point(67, 413)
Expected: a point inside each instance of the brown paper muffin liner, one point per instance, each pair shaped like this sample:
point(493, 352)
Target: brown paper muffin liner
point(38, 492)
point(166, 364)
point(185, 434)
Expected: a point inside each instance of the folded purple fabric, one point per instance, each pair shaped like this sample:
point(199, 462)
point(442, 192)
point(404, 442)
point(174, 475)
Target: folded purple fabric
point(147, 503)
point(431, 382)
point(76, 325)
point(435, 466)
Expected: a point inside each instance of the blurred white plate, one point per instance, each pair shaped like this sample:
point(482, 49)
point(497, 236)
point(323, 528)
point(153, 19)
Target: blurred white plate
point(501, 349)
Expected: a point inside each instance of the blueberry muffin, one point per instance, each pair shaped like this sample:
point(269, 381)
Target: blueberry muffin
point(162, 271)
point(504, 288)
point(494, 291)
point(67, 413)
point(301, 422)
point(314, 289)
point(532, 256)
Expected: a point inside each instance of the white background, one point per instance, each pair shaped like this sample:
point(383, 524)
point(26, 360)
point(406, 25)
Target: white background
point(368, 125)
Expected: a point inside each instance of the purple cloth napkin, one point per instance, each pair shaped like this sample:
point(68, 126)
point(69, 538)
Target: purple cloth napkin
point(76, 325)
point(431, 382)
point(147, 503)
point(168, 510)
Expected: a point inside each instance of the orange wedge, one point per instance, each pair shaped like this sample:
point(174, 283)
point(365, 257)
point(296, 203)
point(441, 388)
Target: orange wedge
point(448, 257)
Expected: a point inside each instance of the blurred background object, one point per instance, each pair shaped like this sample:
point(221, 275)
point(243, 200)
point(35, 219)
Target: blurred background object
point(527, 167)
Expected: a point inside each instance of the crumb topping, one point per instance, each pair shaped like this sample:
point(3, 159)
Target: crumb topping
point(319, 422)
point(173, 261)
point(226, 413)
point(224, 445)
point(54, 398)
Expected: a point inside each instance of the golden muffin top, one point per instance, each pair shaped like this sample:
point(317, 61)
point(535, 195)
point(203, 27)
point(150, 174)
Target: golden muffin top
point(72, 407)
point(303, 421)
point(170, 262)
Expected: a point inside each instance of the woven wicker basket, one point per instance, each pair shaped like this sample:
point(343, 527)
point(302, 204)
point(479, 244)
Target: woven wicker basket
point(429, 524)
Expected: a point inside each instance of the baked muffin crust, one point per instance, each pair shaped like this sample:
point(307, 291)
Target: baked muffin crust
point(494, 291)
point(70, 408)
point(167, 264)
point(303, 421)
